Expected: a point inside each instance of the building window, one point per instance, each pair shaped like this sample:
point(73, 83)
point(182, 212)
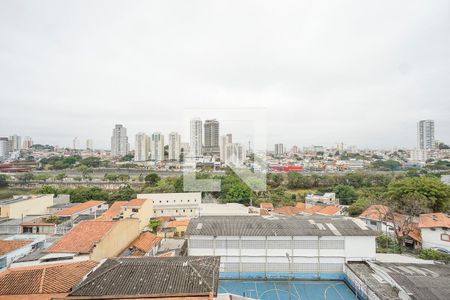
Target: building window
point(176, 210)
point(135, 210)
point(191, 210)
point(184, 210)
point(445, 237)
point(374, 223)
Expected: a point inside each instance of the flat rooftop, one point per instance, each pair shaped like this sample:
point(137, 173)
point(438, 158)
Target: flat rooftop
point(19, 199)
point(278, 226)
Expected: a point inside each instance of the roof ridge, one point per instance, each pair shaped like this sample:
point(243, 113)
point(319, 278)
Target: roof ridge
point(41, 284)
point(198, 272)
point(100, 274)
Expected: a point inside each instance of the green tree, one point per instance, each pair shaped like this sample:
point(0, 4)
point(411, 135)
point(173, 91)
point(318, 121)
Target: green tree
point(60, 176)
point(26, 177)
point(345, 193)
point(274, 179)
point(128, 157)
point(110, 177)
point(154, 224)
point(152, 179)
point(358, 207)
point(240, 193)
point(3, 180)
point(436, 193)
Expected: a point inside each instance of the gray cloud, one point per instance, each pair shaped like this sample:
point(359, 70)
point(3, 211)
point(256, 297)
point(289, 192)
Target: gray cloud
point(359, 72)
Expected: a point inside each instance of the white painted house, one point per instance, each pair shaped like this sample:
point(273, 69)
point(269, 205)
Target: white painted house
point(299, 246)
point(174, 204)
point(435, 230)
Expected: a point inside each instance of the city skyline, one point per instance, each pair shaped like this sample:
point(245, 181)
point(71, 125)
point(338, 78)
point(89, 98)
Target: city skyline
point(323, 79)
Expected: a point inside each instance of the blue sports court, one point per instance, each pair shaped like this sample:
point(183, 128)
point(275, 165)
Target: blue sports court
point(288, 290)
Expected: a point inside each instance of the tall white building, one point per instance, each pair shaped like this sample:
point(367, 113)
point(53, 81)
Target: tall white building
point(157, 146)
point(15, 143)
point(89, 144)
point(75, 144)
point(4, 147)
point(141, 147)
point(27, 142)
point(119, 141)
point(425, 134)
point(279, 149)
point(174, 146)
point(196, 142)
point(234, 154)
point(224, 141)
point(211, 138)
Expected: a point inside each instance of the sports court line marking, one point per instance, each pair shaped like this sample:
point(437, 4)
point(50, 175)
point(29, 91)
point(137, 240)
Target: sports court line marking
point(298, 294)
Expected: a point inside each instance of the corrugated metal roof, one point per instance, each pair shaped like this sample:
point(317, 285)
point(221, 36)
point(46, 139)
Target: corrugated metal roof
point(161, 276)
point(280, 226)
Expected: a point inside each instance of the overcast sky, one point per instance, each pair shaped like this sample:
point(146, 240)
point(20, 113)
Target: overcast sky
point(358, 72)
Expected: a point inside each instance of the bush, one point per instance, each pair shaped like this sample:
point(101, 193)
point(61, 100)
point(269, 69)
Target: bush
point(430, 254)
point(387, 244)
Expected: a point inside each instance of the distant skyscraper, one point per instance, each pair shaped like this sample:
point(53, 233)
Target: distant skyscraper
point(157, 147)
point(279, 149)
point(196, 142)
point(425, 134)
point(224, 141)
point(4, 147)
point(119, 141)
point(27, 142)
point(15, 143)
point(174, 146)
point(234, 154)
point(211, 140)
point(141, 147)
point(89, 144)
point(76, 144)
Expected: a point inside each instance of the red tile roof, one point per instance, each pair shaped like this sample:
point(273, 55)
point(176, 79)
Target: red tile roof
point(434, 220)
point(313, 209)
point(263, 212)
point(136, 202)
point(288, 210)
point(7, 246)
point(49, 279)
point(113, 211)
point(78, 208)
point(375, 212)
point(145, 242)
point(174, 224)
point(266, 205)
point(329, 210)
point(301, 205)
point(83, 237)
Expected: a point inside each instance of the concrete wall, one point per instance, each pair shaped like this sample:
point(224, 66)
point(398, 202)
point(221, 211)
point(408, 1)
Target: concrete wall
point(174, 204)
point(145, 212)
point(432, 238)
point(34, 206)
point(117, 239)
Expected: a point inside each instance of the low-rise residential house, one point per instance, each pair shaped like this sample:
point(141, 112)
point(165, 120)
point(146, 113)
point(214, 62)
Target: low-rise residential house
point(379, 218)
point(146, 244)
point(189, 278)
point(326, 199)
point(39, 226)
point(140, 209)
point(20, 206)
point(180, 227)
point(174, 204)
point(113, 212)
point(43, 282)
point(58, 207)
point(435, 230)
point(92, 207)
point(96, 240)
point(15, 247)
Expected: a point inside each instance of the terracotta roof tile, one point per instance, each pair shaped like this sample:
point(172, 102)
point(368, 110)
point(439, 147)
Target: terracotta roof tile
point(434, 220)
point(113, 211)
point(145, 242)
point(78, 208)
point(375, 212)
point(288, 210)
point(136, 202)
point(174, 224)
point(7, 246)
point(301, 205)
point(263, 212)
point(83, 237)
point(329, 210)
point(49, 279)
point(313, 209)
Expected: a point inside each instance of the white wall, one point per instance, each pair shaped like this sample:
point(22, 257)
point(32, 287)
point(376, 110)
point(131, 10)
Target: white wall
point(432, 238)
point(174, 204)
